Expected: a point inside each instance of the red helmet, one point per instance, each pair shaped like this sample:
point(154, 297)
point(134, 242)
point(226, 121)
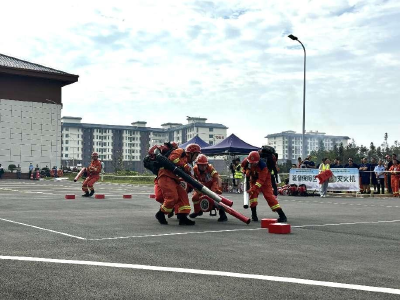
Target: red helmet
point(202, 160)
point(95, 154)
point(254, 157)
point(193, 148)
point(174, 145)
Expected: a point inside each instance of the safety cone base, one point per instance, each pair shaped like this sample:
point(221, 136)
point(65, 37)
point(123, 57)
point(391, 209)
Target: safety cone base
point(99, 196)
point(279, 228)
point(152, 196)
point(69, 196)
point(266, 222)
point(126, 196)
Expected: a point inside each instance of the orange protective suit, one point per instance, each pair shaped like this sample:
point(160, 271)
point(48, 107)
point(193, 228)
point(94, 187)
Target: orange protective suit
point(93, 170)
point(208, 178)
point(260, 181)
point(395, 178)
point(169, 184)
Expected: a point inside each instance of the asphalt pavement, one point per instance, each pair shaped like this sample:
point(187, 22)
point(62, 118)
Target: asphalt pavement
point(114, 248)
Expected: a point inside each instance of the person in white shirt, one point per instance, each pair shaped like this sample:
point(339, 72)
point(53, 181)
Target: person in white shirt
point(380, 176)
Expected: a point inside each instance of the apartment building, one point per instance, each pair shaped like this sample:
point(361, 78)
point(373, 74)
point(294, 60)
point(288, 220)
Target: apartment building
point(288, 144)
point(126, 146)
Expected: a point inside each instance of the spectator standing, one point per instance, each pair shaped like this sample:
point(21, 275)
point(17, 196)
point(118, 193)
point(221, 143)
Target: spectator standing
point(1, 171)
point(309, 164)
point(19, 172)
point(336, 163)
point(232, 169)
point(238, 176)
point(395, 171)
point(389, 165)
point(374, 180)
point(324, 165)
point(380, 176)
point(365, 176)
point(30, 170)
point(351, 164)
point(300, 163)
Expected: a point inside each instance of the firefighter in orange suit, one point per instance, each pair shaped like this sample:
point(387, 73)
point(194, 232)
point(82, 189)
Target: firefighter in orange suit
point(209, 177)
point(260, 181)
point(172, 190)
point(395, 177)
point(93, 172)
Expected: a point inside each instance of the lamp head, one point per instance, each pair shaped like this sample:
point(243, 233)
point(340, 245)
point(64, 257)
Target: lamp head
point(294, 38)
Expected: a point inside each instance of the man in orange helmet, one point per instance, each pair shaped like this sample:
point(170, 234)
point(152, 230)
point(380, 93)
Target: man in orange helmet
point(93, 172)
point(172, 190)
point(260, 181)
point(208, 176)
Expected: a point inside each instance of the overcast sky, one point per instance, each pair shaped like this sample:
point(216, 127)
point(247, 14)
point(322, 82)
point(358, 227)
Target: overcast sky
point(228, 61)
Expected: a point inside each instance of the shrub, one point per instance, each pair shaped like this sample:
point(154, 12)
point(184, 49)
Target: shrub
point(12, 167)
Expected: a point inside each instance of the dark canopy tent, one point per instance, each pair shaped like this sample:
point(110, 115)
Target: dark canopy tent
point(195, 140)
point(232, 145)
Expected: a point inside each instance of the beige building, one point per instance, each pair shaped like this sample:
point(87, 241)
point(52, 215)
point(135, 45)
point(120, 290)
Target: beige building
point(288, 144)
point(126, 146)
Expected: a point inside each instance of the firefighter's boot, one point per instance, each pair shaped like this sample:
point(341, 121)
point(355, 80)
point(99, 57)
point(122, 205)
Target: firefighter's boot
point(222, 216)
point(183, 220)
point(282, 217)
point(171, 214)
point(254, 214)
point(86, 194)
point(91, 193)
point(160, 216)
point(194, 215)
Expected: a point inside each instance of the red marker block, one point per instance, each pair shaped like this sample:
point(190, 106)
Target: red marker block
point(266, 222)
point(126, 196)
point(99, 196)
point(69, 196)
point(280, 228)
point(152, 196)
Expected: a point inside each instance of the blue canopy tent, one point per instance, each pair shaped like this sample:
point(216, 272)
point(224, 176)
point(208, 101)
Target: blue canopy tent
point(195, 140)
point(232, 145)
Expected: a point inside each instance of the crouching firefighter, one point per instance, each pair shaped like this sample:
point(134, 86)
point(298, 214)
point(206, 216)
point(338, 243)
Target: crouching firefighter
point(207, 176)
point(93, 172)
point(171, 188)
point(258, 175)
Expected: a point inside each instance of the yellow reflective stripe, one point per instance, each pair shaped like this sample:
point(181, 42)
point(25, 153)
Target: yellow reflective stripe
point(161, 168)
point(258, 184)
point(184, 207)
point(275, 206)
point(272, 172)
point(166, 209)
point(197, 202)
point(253, 200)
point(213, 172)
point(175, 160)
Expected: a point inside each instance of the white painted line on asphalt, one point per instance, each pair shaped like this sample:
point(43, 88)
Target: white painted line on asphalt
point(172, 234)
point(228, 230)
point(209, 273)
point(339, 224)
point(45, 229)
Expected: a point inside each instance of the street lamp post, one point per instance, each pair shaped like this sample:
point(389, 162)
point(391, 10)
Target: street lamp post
point(55, 173)
point(291, 36)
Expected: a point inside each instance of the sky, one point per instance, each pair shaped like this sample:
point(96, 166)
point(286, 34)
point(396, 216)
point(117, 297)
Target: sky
point(229, 61)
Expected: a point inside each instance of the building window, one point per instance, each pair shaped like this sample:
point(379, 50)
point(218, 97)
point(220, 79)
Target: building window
point(66, 148)
point(211, 129)
point(211, 136)
point(65, 155)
